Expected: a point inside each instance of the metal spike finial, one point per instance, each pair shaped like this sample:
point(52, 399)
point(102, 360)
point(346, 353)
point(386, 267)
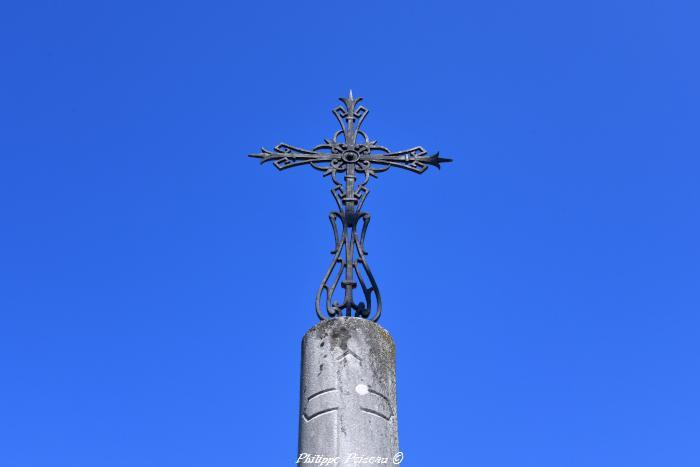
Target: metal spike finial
point(349, 153)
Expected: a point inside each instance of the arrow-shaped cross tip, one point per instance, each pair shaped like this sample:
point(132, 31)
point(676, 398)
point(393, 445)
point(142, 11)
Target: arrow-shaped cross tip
point(436, 160)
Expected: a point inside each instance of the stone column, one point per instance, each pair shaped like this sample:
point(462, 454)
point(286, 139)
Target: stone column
point(348, 392)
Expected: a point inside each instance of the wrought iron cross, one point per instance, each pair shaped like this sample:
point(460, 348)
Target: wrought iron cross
point(351, 153)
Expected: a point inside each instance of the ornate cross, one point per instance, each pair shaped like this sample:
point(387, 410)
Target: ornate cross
point(351, 153)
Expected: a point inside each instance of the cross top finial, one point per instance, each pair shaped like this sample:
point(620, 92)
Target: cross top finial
point(352, 155)
point(350, 118)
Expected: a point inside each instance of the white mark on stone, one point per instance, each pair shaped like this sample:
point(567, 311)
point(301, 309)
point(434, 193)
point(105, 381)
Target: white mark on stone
point(362, 389)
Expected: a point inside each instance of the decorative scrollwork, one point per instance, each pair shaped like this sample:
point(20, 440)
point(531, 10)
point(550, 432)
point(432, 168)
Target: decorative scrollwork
point(351, 153)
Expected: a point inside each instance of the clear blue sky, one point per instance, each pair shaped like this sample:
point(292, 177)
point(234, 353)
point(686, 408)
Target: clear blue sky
point(155, 283)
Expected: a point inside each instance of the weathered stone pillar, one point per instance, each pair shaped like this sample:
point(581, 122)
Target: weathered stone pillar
point(348, 392)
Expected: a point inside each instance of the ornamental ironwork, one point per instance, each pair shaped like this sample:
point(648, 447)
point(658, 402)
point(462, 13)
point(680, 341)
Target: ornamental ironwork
point(350, 154)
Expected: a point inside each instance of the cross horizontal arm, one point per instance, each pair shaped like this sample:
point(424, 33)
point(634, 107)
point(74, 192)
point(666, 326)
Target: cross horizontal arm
point(414, 159)
point(286, 156)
